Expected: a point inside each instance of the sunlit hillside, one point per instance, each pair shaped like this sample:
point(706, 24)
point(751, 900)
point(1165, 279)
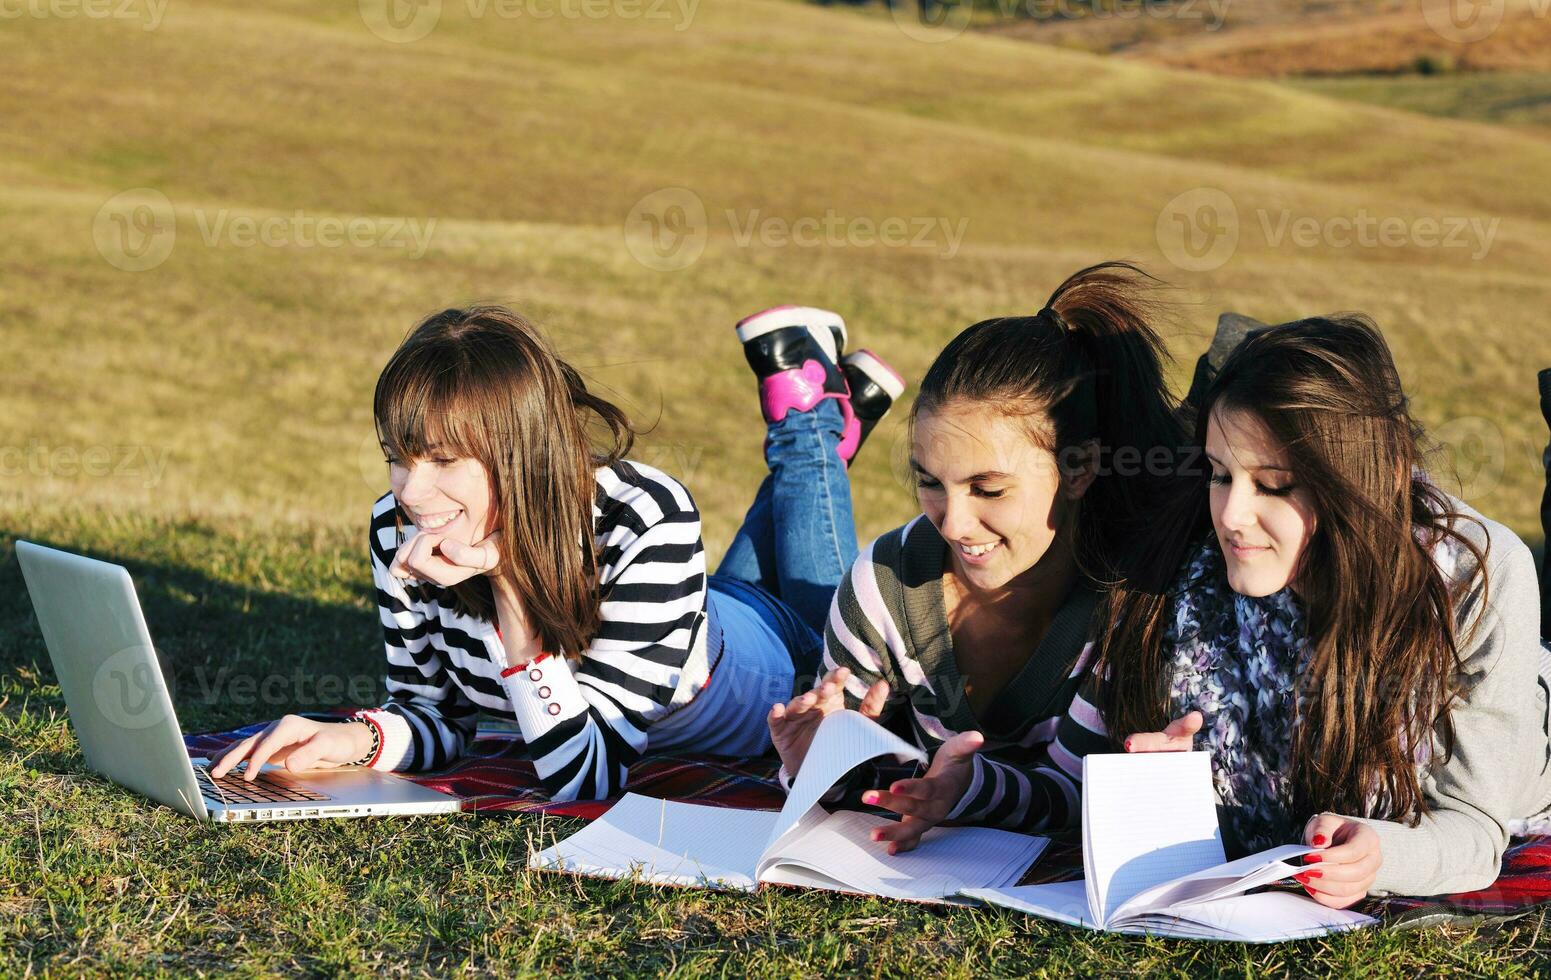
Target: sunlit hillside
point(817, 156)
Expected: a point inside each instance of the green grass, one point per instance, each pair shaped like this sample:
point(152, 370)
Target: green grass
point(1505, 98)
point(97, 880)
point(226, 392)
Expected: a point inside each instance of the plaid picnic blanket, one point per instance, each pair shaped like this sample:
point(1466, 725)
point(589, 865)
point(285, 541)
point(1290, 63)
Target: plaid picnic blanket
point(494, 776)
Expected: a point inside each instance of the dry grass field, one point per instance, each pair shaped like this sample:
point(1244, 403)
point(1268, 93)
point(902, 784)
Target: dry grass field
point(220, 219)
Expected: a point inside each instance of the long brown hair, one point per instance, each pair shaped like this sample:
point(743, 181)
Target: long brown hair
point(1383, 642)
point(483, 382)
point(1089, 366)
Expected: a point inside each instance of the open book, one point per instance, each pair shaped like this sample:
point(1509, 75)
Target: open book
point(1153, 862)
point(716, 847)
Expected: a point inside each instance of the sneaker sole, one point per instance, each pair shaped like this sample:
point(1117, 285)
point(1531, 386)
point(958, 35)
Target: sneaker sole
point(824, 325)
point(877, 372)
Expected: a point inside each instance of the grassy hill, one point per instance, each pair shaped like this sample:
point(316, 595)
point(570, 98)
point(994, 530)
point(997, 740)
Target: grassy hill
point(528, 142)
point(205, 419)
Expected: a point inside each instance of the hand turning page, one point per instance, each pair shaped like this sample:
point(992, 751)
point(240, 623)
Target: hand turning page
point(689, 844)
point(1153, 862)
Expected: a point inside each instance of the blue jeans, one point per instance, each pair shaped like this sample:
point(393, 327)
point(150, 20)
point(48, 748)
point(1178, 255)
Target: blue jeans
point(798, 538)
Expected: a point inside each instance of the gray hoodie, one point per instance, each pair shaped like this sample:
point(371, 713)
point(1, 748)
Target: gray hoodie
point(1499, 767)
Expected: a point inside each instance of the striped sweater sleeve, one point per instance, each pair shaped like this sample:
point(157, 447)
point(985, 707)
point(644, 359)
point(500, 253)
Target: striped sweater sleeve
point(427, 722)
point(855, 637)
point(585, 724)
point(1043, 796)
point(866, 634)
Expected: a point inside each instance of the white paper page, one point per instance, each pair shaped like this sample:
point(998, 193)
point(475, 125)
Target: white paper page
point(1147, 818)
point(1063, 901)
point(667, 842)
point(1269, 917)
point(845, 740)
point(947, 861)
point(1262, 918)
point(1232, 878)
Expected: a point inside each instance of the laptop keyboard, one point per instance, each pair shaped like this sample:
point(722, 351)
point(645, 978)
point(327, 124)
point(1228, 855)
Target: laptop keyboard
point(233, 788)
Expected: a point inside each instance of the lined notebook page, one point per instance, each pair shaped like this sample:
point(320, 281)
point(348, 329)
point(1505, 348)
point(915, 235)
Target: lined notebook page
point(947, 861)
point(845, 740)
point(667, 842)
point(1147, 818)
point(1269, 917)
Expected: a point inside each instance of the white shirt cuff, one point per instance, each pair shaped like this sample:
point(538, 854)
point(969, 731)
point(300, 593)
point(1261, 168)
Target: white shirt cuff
point(397, 740)
point(544, 694)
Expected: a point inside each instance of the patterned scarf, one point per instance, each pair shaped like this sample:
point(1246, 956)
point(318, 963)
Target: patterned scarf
point(1237, 661)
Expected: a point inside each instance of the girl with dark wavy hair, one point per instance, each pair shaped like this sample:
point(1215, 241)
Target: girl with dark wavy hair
point(1356, 649)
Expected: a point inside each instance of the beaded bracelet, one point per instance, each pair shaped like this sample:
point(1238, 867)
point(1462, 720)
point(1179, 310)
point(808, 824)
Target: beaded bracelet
point(376, 743)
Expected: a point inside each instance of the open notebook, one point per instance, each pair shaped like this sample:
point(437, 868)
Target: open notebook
point(1153, 862)
point(716, 847)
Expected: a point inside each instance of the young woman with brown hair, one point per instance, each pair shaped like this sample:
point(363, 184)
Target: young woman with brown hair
point(1357, 650)
point(1035, 444)
point(523, 572)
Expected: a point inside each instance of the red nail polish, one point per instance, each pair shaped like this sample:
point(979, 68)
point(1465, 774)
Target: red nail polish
point(1315, 874)
point(1302, 879)
point(1312, 858)
point(1128, 745)
point(1319, 840)
point(1309, 890)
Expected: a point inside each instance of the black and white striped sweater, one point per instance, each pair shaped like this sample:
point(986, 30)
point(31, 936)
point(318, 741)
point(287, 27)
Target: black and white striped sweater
point(583, 724)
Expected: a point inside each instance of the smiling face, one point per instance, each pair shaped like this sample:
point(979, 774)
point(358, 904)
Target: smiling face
point(1263, 519)
point(440, 492)
point(996, 497)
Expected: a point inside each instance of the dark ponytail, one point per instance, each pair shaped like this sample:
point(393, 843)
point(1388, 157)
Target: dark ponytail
point(1089, 366)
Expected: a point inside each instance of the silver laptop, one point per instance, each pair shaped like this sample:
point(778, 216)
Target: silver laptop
point(123, 716)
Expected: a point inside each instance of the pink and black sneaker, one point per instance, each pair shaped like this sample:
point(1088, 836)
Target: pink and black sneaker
point(795, 353)
point(875, 387)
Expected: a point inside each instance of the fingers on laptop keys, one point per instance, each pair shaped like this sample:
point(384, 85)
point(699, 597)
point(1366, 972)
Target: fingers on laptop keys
point(272, 744)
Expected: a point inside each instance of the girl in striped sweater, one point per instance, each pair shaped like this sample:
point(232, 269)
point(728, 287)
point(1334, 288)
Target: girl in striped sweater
point(522, 573)
point(1035, 441)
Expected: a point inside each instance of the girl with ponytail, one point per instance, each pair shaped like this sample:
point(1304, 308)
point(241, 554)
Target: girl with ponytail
point(526, 569)
point(1035, 444)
